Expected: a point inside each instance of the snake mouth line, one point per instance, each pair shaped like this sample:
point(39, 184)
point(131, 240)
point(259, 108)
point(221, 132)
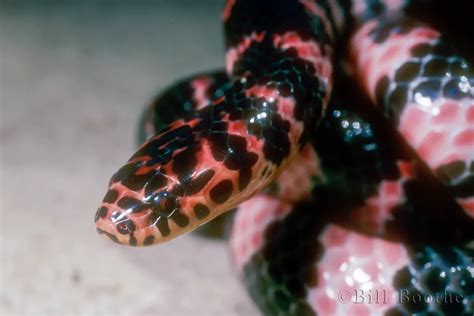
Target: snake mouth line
point(108, 235)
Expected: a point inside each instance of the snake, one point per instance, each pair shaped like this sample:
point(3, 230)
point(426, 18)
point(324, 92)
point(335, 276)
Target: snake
point(342, 132)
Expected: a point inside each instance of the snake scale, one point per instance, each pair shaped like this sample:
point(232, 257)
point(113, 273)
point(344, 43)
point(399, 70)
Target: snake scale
point(343, 133)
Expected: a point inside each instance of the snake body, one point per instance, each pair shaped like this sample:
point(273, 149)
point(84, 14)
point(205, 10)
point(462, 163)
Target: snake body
point(335, 193)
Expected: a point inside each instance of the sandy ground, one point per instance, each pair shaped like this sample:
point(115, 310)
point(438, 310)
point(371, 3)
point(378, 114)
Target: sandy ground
point(74, 78)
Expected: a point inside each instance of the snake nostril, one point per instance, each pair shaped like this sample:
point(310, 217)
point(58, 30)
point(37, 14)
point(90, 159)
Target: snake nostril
point(126, 227)
point(122, 223)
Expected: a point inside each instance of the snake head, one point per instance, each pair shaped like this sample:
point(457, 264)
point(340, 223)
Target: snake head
point(145, 206)
point(145, 203)
point(170, 186)
point(128, 218)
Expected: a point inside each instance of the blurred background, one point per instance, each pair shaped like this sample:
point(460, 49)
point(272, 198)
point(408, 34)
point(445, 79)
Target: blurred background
point(75, 76)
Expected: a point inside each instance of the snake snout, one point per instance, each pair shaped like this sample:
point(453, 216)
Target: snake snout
point(119, 217)
point(116, 226)
point(140, 221)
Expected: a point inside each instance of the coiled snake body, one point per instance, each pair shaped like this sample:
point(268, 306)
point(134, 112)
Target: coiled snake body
point(366, 190)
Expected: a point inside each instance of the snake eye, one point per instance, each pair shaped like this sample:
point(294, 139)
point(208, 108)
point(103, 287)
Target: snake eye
point(164, 203)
